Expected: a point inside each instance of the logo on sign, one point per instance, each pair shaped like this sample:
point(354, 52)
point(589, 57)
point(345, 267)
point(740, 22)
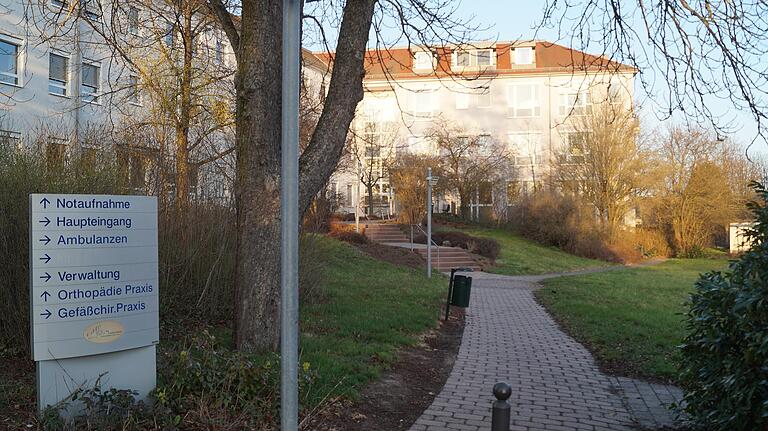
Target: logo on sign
point(104, 332)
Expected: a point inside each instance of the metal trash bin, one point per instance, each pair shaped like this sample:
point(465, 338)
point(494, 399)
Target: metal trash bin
point(462, 289)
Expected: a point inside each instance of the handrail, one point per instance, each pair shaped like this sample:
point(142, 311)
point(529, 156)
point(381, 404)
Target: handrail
point(437, 247)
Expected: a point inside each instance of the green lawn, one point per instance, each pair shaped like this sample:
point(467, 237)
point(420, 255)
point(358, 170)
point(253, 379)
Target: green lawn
point(631, 317)
point(369, 310)
point(521, 256)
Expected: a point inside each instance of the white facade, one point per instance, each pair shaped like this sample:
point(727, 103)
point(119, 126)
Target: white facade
point(527, 108)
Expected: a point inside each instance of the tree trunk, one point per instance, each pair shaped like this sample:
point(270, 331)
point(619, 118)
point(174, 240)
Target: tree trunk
point(184, 114)
point(258, 84)
point(369, 189)
point(257, 188)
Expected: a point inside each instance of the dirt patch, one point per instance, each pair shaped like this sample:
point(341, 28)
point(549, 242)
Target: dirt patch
point(395, 255)
point(395, 401)
point(17, 393)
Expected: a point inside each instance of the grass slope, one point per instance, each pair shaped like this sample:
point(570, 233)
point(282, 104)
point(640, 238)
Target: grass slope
point(521, 256)
point(631, 317)
point(369, 309)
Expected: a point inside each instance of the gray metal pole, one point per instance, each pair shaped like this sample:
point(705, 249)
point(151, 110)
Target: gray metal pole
point(429, 222)
point(289, 217)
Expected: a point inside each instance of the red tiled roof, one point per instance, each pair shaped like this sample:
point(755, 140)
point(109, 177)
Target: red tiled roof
point(549, 58)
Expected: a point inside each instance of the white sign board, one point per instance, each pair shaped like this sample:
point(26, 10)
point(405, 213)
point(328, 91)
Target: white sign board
point(94, 275)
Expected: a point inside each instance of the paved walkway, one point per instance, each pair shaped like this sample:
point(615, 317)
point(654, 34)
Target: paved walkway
point(556, 384)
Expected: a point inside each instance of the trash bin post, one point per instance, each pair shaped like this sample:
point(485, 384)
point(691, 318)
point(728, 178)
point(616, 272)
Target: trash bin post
point(502, 409)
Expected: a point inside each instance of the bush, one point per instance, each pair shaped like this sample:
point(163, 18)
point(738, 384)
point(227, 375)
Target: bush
point(350, 236)
point(485, 247)
point(724, 366)
point(22, 173)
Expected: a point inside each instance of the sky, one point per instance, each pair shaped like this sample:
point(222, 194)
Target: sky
point(513, 19)
point(517, 19)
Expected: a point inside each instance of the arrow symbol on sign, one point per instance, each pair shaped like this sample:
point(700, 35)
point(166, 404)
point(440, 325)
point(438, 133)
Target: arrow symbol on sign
point(46, 277)
point(46, 221)
point(47, 314)
point(45, 239)
point(44, 202)
point(45, 296)
point(46, 258)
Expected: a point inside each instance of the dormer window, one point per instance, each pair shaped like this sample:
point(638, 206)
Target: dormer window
point(524, 55)
point(474, 58)
point(423, 60)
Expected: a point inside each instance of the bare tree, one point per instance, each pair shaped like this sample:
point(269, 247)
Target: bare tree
point(408, 177)
point(467, 160)
point(699, 50)
point(168, 73)
point(257, 42)
point(372, 152)
point(602, 163)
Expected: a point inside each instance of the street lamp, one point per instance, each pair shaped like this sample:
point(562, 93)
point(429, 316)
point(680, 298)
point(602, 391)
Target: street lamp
point(431, 181)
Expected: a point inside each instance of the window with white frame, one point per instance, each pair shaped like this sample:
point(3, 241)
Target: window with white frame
point(170, 31)
point(422, 145)
point(58, 3)
point(133, 20)
point(134, 96)
point(425, 102)
point(423, 60)
point(91, 9)
point(524, 147)
point(484, 97)
point(523, 100)
point(614, 91)
point(9, 62)
point(10, 140)
point(91, 82)
point(524, 55)
point(475, 58)
point(574, 103)
point(219, 51)
point(575, 149)
point(58, 74)
point(462, 99)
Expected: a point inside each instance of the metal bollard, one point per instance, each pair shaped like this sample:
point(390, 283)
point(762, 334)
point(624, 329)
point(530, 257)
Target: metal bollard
point(500, 413)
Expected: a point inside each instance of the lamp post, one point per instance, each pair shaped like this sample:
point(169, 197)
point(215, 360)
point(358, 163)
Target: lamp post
point(289, 217)
point(431, 181)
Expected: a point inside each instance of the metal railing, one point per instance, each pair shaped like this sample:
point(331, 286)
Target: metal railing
point(430, 239)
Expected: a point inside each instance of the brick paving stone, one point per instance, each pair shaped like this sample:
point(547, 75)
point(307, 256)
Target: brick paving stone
point(555, 382)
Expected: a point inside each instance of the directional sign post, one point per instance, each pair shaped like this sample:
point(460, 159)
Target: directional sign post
point(93, 293)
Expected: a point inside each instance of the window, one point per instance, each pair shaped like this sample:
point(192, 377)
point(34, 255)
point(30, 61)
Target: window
point(614, 91)
point(524, 55)
point(523, 101)
point(9, 62)
point(423, 60)
point(425, 102)
point(10, 140)
point(91, 78)
point(169, 35)
point(462, 59)
point(462, 100)
point(576, 147)
point(349, 195)
point(525, 147)
point(58, 74)
point(91, 9)
point(219, 51)
point(55, 150)
point(133, 20)
point(58, 3)
point(483, 57)
point(474, 58)
point(134, 96)
point(484, 97)
point(575, 103)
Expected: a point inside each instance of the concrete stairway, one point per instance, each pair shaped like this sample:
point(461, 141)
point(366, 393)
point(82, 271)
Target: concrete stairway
point(385, 232)
point(451, 257)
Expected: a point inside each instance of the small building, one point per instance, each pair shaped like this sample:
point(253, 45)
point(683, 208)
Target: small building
point(737, 239)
